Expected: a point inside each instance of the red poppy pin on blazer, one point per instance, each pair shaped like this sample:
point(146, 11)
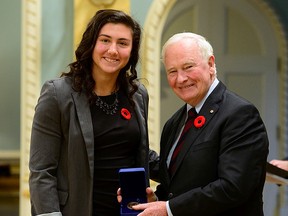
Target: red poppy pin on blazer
point(125, 113)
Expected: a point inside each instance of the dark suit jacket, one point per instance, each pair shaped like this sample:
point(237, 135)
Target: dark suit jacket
point(62, 149)
point(221, 167)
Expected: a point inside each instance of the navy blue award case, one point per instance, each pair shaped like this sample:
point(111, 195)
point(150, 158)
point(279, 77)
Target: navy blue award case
point(133, 189)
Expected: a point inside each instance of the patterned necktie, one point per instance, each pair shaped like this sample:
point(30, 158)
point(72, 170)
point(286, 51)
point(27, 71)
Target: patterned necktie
point(189, 122)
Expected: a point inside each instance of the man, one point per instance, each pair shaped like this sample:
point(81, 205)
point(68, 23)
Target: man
point(220, 166)
point(282, 164)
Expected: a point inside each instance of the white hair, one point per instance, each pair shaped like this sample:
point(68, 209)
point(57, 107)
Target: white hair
point(204, 46)
point(201, 41)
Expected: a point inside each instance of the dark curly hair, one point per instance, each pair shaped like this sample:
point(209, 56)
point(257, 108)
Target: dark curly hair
point(81, 69)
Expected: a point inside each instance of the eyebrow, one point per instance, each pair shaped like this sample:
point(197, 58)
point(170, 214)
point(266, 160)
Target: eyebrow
point(104, 35)
point(171, 69)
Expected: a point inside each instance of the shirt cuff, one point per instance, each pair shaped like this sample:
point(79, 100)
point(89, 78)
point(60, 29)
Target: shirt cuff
point(168, 209)
point(51, 214)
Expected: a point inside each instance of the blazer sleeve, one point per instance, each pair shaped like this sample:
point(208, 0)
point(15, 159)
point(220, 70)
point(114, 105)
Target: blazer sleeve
point(44, 152)
point(153, 158)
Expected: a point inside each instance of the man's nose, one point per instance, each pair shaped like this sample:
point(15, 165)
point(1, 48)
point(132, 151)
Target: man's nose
point(181, 76)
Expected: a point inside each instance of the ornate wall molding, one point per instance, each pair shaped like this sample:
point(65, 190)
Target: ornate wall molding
point(151, 63)
point(280, 33)
point(30, 82)
point(282, 69)
point(104, 3)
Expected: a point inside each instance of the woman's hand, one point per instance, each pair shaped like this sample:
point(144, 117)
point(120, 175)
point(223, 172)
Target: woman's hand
point(151, 196)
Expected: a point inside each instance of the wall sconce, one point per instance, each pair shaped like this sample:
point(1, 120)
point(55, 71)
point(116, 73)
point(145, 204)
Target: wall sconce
point(102, 2)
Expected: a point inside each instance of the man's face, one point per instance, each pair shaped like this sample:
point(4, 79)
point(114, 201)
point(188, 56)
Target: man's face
point(188, 74)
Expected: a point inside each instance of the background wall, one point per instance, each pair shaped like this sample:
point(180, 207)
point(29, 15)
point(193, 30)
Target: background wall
point(57, 37)
point(139, 10)
point(281, 8)
point(10, 36)
point(57, 52)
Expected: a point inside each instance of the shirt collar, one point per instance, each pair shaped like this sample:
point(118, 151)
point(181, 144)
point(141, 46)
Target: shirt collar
point(200, 104)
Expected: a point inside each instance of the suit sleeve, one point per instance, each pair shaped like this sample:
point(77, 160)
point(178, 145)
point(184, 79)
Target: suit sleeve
point(44, 153)
point(243, 149)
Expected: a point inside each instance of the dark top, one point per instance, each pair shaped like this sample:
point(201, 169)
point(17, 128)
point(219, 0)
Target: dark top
point(116, 140)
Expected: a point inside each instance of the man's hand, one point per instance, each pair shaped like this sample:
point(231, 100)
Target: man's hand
point(283, 164)
point(152, 208)
point(157, 208)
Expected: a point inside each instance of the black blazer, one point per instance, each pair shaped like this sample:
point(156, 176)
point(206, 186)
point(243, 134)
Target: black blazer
point(221, 167)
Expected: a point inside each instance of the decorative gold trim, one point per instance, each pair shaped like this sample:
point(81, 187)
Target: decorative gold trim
point(150, 56)
point(30, 82)
point(265, 8)
point(103, 2)
point(10, 155)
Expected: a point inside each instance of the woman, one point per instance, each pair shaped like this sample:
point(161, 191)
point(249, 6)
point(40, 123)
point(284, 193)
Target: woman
point(90, 122)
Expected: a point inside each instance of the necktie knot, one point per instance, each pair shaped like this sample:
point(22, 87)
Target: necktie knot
point(192, 113)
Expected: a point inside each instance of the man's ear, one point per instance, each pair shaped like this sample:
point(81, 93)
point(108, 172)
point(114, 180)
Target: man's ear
point(212, 66)
point(211, 61)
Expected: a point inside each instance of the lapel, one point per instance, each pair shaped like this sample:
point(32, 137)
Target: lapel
point(139, 105)
point(85, 121)
point(208, 110)
point(179, 120)
point(140, 116)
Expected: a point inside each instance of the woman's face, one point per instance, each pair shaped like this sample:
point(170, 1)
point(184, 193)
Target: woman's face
point(112, 49)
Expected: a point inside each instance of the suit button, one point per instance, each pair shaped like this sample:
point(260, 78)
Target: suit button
point(170, 195)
